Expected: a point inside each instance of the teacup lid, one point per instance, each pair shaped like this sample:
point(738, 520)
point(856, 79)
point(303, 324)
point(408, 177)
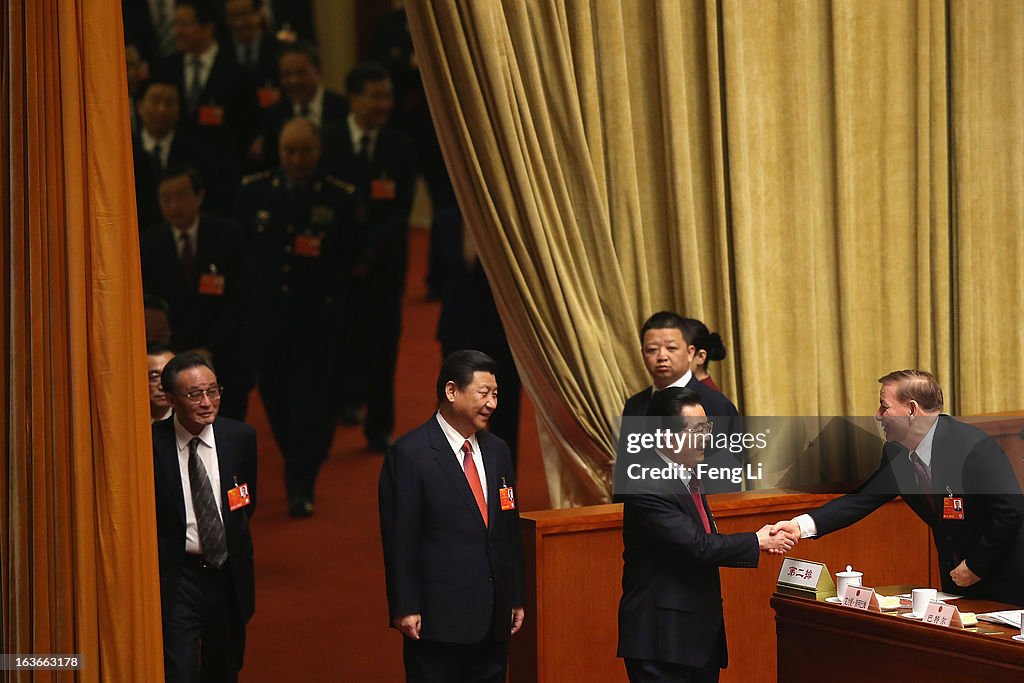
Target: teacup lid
point(849, 572)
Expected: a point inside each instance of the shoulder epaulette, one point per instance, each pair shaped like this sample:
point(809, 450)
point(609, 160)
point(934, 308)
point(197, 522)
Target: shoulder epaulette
point(255, 176)
point(341, 184)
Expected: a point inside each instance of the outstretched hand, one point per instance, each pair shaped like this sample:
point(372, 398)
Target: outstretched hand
point(775, 542)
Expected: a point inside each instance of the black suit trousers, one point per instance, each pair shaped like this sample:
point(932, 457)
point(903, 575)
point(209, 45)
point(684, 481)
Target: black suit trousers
point(204, 639)
point(428, 661)
point(649, 671)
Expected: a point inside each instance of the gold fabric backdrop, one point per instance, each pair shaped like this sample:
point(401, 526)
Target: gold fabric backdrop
point(833, 186)
point(78, 561)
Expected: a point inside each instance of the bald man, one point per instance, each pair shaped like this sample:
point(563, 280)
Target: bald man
point(299, 231)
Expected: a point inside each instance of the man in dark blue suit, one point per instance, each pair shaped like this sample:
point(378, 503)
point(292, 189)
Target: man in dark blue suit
point(667, 355)
point(671, 626)
point(205, 480)
point(450, 530)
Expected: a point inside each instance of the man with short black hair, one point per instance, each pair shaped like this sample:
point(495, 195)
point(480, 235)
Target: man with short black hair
point(381, 163)
point(671, 625)
point(204, 470)
point(193, 261)
point(304, 95)
point(667, 354)
point(450, 530)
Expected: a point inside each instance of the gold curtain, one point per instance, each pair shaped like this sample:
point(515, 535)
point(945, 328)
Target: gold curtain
point(988, 169)
point(79, 566)
point(779, 169)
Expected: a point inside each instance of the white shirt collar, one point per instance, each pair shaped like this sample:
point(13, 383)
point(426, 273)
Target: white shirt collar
point(358, 132)
point(149, 142)
point(455, 440)
point(924, 449)
point(684, 472)
point(182, 436)
point(316, 106)
point(206, 59)
point(681, 382)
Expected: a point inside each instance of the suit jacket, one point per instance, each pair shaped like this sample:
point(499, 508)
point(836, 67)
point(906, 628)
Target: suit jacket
point(714, 402)
point(335, 109)
point(440, 560)
point(384, 221)
point(969, 464)
point(197, 319)
point(228, 89)
point(236, 455)
point(671, 606)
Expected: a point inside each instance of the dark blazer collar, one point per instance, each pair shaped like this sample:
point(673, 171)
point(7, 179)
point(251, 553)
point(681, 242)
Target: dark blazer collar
point(165, 452)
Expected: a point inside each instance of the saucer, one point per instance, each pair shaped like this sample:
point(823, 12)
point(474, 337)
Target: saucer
point(1019, 638)
point(911, 615)
point(834, 600)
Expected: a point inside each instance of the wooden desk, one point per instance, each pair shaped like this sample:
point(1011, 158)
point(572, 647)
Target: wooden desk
point(821, 641)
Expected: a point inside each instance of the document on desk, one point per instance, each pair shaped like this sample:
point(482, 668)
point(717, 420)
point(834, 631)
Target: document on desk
point(1010, 617)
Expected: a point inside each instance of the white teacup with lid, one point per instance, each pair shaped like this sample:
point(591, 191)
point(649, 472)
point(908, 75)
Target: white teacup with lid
point(845, 579)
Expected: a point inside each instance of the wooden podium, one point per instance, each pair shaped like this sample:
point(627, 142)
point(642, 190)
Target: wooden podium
point(574, 570)
point(822, 642)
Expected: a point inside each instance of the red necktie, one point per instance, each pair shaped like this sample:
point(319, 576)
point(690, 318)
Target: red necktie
point(473, 477)
point(695, 493)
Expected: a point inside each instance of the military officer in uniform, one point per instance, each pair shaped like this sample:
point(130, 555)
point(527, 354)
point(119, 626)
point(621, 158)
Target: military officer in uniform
point(299, 231)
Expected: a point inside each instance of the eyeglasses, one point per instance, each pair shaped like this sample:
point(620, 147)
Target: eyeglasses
point(703, 428)
point(196, 396)
point(154, 376)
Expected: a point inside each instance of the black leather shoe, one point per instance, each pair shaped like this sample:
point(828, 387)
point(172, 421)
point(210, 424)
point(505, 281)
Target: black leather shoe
point(300, 506)
point(379, 444)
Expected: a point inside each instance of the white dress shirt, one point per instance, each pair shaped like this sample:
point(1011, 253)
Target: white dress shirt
point(357, 134)
point(681, 382)
point(206, 61)
point(192, 232)
point(315, 114)
point(208, 454)
point(455, 440)
point(149, 142)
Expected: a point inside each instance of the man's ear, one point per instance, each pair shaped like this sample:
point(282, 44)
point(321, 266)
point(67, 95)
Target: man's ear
point(450, 390)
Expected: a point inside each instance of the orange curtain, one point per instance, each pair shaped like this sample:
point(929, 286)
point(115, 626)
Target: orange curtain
point(78, 563)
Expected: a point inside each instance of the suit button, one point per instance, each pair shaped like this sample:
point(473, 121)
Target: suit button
point(491, 579)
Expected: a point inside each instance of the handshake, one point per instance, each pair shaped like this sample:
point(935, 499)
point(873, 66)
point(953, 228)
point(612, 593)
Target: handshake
point(778, 538)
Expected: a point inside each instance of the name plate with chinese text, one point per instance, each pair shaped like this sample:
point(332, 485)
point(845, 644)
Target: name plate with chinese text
point(941, 614)
point(861, 597)
point(805, 578)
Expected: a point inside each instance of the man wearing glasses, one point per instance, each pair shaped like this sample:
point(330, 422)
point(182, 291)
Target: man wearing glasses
point(157, 356)
point(205, 481)
point(671, 625)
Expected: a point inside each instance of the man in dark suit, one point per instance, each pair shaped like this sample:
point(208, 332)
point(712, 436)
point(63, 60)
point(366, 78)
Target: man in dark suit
point(205, 480)
point(220, 108)
point(381, 163)
point(954, 477)
point(667, 354)
point(671, 626)
point(450, 529)
point(158, 145)
point(304, 95)
point(298, 226)
point(193, 261)
point(254, 48)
